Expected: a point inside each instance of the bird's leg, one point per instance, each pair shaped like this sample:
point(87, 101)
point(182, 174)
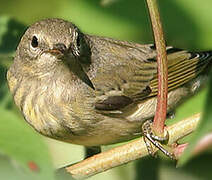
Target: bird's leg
point(151, 139)
point(92, 150)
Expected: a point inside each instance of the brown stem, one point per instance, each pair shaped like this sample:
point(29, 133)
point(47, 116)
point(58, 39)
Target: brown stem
point(128, 152)
point(160, 115)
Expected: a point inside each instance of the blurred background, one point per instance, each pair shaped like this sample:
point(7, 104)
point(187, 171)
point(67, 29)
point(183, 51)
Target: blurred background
point(24, 153)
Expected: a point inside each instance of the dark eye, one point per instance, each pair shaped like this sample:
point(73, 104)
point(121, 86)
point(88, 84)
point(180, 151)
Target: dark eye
point(34, 42)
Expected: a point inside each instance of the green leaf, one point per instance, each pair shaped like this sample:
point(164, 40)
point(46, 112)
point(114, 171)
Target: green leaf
point(10, 169)
point(11, 31)
point(26, 156)
point(204, 127)
point(10, 34)
point(127, 20)
point(21, 144)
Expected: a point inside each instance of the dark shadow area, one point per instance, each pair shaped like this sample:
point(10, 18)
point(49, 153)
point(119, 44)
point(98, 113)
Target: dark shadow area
point(198, 168)
point(11, 38)
point(154, 169)
point(179, 28)
point(9, 42)
point(4, 89)
point(3, 71)
point(147, 168)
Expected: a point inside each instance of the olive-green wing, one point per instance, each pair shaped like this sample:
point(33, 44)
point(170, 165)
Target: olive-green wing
point(126, 84)
point(183, 66)
point(117, 88)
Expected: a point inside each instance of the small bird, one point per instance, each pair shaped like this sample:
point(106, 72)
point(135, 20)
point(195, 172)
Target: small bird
point(92, 90)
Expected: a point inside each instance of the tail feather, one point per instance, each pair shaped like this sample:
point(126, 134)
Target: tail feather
point(201, 55)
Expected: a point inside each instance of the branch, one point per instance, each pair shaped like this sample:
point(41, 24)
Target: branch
point(129, 152)
point(137, 148)
point(160, 115)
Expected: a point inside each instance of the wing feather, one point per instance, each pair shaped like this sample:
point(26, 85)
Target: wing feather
point(134, 80)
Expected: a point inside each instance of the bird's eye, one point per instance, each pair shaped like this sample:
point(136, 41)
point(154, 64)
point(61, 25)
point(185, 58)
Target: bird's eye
point(34, 42)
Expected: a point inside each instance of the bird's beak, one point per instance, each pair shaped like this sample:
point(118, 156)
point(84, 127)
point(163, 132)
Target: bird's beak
point(58, 49)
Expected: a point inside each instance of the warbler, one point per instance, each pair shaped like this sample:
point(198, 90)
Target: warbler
point(91, 90)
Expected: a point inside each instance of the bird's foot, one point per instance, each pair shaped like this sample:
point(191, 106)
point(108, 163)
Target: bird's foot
point(151, 139)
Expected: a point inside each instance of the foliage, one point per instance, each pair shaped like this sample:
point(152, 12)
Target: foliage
point(24, 153)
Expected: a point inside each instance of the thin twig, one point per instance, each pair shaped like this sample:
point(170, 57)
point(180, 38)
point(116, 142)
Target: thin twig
point(128, 152)
point(160, 115)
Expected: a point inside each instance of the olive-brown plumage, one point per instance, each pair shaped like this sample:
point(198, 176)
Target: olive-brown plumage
point(92, 90)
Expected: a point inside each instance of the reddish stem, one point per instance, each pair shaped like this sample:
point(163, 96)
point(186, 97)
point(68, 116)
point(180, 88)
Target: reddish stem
point(160, 115)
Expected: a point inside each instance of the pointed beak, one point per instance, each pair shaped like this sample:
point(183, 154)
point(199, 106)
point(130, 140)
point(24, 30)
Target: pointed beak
point(58, 49)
